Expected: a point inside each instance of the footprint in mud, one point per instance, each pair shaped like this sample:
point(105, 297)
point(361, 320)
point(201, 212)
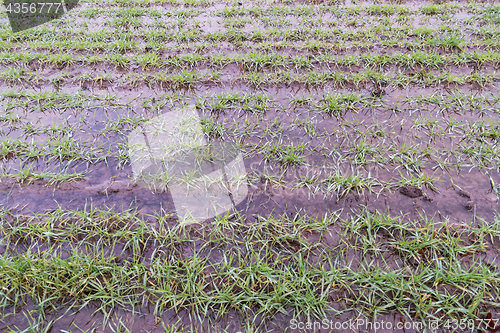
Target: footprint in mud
point(469, 205)
point(464, 194)
point(111, 186)
point(411, 191)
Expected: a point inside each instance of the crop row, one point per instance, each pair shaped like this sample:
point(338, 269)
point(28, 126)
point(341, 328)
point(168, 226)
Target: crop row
point(265, 267)
point(190, 79)
point(286, 10)
point(416, 37)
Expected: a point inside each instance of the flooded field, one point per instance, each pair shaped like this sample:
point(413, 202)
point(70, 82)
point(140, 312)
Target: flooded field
point(367, 191)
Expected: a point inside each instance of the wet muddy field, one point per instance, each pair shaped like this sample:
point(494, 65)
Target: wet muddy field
point(369, 134)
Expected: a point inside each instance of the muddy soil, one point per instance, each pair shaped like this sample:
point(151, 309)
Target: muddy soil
point(465, 187)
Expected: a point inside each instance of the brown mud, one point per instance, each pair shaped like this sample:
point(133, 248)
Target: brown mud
point(462, 192)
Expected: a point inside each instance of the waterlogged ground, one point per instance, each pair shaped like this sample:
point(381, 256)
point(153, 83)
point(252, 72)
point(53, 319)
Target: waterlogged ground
point(370, 138)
